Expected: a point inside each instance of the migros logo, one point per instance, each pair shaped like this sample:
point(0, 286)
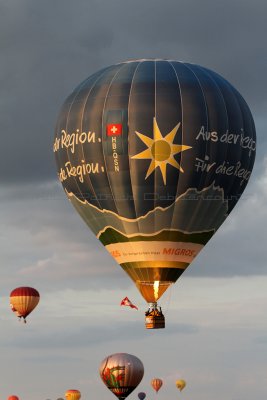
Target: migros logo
point(178, 252)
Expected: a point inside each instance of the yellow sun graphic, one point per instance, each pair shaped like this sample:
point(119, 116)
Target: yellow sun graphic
point(160, 150)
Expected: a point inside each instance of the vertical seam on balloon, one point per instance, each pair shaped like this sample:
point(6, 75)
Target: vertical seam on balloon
point(128, 141)
point(155, 171)
point(182, 122)
point(128, 111)
point(227, 146)
point(221, 93)
point(251, 165)
point(226, 113)
point(102, 128)
point(129, 100)
point(245, 110)
point(241, 152)
point(206, 108)
point(200, 184)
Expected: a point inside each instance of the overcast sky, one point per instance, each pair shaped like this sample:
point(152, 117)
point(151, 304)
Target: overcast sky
point(216, 328)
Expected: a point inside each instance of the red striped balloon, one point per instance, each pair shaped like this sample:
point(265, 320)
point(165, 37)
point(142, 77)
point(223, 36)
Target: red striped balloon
point(156, 383)
point(23, 301)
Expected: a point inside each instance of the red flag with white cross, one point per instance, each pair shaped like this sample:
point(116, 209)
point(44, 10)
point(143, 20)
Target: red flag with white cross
point(127, 302)
point(114, 129)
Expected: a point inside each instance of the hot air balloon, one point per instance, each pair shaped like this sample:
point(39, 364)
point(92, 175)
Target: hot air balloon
point(121, 373)
point(154, 155)
point(23, 301)
point(180, 384)
point(73, 394)
point(13, 397)
point(156, 383)
point(141, 395)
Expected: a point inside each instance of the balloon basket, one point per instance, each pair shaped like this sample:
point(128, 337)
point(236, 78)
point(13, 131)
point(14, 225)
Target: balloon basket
point(154, 318)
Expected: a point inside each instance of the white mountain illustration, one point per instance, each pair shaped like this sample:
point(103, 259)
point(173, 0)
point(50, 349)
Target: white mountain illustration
point(192, 212)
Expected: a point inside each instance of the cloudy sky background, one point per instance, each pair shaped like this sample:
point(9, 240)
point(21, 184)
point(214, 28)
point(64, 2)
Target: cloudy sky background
point(216, 333)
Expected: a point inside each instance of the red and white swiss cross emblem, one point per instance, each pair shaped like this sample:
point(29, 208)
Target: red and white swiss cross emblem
point(114, 129)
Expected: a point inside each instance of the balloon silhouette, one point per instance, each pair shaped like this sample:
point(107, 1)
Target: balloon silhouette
point(154, 155)
point(141, 395)
point(23, 301)
point(121, 373)
point(156, 383)
point(180, 384)
point(73, 394)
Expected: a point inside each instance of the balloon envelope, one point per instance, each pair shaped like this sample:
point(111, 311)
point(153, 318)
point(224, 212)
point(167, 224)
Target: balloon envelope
point(180, 384)
point(23, 300)
point(121, 373)
point(141, 395)
point(156, 383)
point(13, 398)
point(154, 155)
point(73, 394)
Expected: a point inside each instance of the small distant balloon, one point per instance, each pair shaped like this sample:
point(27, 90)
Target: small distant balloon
point(180, 384)
point(73, 394)
point(156, 383)
point(121, 373)
point(23, 301)
point(141, 395)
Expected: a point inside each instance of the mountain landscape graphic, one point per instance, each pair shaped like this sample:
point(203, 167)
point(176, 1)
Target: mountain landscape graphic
point(192, 212)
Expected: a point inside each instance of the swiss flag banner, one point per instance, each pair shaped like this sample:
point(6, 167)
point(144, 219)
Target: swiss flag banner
point(127, 302)
point(114, 129)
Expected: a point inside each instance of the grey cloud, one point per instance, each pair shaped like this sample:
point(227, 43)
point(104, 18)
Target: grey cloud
point(261, 340)
point(48, 48)
point(90, 335)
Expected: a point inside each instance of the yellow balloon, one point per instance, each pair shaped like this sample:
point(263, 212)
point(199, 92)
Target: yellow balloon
point(180, 384)
point(73, 394)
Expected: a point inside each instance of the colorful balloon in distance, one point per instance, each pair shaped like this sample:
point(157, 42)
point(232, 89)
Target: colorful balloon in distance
point(13, 397)
point(156, 384)
point(23, 301)
point(180, 384)
point(121, 373)
point(73, 394)
point(141, 396)
point(154, 155)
